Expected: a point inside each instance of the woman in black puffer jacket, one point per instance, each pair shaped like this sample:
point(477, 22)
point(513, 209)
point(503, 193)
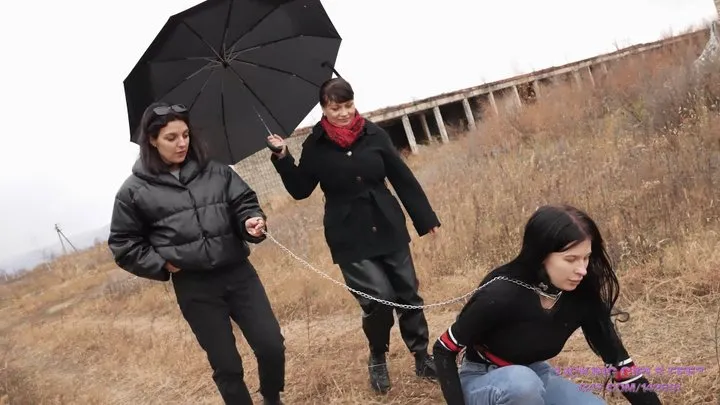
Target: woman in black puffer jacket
point(184, 217)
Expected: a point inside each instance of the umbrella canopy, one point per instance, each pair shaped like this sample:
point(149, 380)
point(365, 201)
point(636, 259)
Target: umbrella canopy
point(244, 68)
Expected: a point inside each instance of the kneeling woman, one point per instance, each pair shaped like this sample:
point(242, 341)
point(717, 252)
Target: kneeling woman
point(562, 280)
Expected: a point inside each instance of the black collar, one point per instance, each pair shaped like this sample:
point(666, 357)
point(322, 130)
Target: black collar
point(548, 288)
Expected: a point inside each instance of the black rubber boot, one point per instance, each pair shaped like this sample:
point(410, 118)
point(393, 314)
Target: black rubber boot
point(379, 378)
point(275, 400)
point(425, 366)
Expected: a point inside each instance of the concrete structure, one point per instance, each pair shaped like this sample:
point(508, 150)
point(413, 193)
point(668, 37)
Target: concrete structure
point(710, 57)
point(409, 124)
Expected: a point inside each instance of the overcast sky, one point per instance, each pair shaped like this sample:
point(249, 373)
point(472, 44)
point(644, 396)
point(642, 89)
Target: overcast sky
point(66, 141)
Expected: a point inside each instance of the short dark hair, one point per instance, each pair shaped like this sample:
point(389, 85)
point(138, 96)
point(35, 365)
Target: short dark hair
point(336, 90)
point(150, 127)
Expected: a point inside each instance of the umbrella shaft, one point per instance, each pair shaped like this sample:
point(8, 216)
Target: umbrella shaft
point(262, 120)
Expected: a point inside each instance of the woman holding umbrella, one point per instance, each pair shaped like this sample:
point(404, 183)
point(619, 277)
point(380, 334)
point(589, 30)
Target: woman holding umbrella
point(183, 217)
point(561, 281)
point(350, 158)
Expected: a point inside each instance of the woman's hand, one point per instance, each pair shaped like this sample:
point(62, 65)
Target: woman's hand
point(254, 226)
point(278, 142)
point(434, 230)
point(171, 268)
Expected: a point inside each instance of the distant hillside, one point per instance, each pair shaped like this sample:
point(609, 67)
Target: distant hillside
point(29, 260)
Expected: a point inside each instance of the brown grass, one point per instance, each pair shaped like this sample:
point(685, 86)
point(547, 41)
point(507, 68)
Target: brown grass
point(640, 151)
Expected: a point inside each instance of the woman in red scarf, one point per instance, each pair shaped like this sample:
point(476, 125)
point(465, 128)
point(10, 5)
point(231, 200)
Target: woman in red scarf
point(365, 229)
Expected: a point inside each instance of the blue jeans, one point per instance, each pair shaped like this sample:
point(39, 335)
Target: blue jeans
point(536, 384)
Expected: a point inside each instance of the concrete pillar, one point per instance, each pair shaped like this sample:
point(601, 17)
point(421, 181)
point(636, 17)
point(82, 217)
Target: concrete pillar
point(493, 104)
point(410, 135)
point(425, 126)
point(536, 88)
point(590, 75)
point(578, 79)
point(516, 96)
point(469, 115)
point(441, 125)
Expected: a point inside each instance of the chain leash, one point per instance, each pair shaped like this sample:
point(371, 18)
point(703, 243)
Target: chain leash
point(390, 303)
point(135, 279)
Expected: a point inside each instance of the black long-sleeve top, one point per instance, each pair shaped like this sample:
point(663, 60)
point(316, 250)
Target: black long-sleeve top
point(505, 323)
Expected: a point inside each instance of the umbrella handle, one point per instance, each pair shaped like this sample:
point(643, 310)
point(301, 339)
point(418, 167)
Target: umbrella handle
point(276, 149)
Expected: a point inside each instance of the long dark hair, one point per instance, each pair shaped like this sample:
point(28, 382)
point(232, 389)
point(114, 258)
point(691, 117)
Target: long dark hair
point(556, 228)
point(150, 126)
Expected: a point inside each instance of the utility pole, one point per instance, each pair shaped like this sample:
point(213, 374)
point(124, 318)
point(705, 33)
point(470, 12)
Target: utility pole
point(62, 237)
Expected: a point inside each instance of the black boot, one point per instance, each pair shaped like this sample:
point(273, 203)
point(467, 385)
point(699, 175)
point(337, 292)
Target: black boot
point(377, 368)
point(275, 400)
point(425, 365)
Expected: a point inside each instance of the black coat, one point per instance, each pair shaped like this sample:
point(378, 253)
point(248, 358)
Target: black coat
point(196, 222)
point(362, 217)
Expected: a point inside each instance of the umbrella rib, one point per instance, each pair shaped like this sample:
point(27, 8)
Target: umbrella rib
point(187, 58)
point(275, 41)
point(260, 65)
point(277, 121)
point(197, 34)
point(235, 53)
point(260, 20)
point(227, 25)
point(190, 76)
point(192, 104)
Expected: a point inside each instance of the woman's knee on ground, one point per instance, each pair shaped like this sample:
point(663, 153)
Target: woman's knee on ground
point(524, 384)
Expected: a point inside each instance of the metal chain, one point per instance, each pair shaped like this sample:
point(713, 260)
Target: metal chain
point(390, 303)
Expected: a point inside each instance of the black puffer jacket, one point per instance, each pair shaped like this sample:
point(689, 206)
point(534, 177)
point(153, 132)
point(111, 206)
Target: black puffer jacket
point(196, 222)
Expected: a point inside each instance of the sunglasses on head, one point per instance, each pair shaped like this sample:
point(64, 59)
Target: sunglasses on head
point(165, 110)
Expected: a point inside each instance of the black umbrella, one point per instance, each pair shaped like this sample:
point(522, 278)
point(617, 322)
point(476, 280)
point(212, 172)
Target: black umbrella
point(244, 68)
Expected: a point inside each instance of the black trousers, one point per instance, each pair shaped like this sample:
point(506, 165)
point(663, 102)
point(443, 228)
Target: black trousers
point(391, 278)
point(208, 301)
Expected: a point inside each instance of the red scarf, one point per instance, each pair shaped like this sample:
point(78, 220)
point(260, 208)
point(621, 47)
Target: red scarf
point(344, 136)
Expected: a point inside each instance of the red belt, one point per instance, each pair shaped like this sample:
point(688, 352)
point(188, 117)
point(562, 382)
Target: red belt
point(493, 358)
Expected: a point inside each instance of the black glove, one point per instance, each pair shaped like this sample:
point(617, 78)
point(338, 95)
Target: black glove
point(639, 392)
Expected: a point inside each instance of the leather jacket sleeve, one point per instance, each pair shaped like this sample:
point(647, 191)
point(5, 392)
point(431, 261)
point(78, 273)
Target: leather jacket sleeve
point(129, 246)
point(243, 205)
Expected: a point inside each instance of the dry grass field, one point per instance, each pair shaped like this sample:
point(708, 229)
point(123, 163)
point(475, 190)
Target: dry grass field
point(640, 151)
